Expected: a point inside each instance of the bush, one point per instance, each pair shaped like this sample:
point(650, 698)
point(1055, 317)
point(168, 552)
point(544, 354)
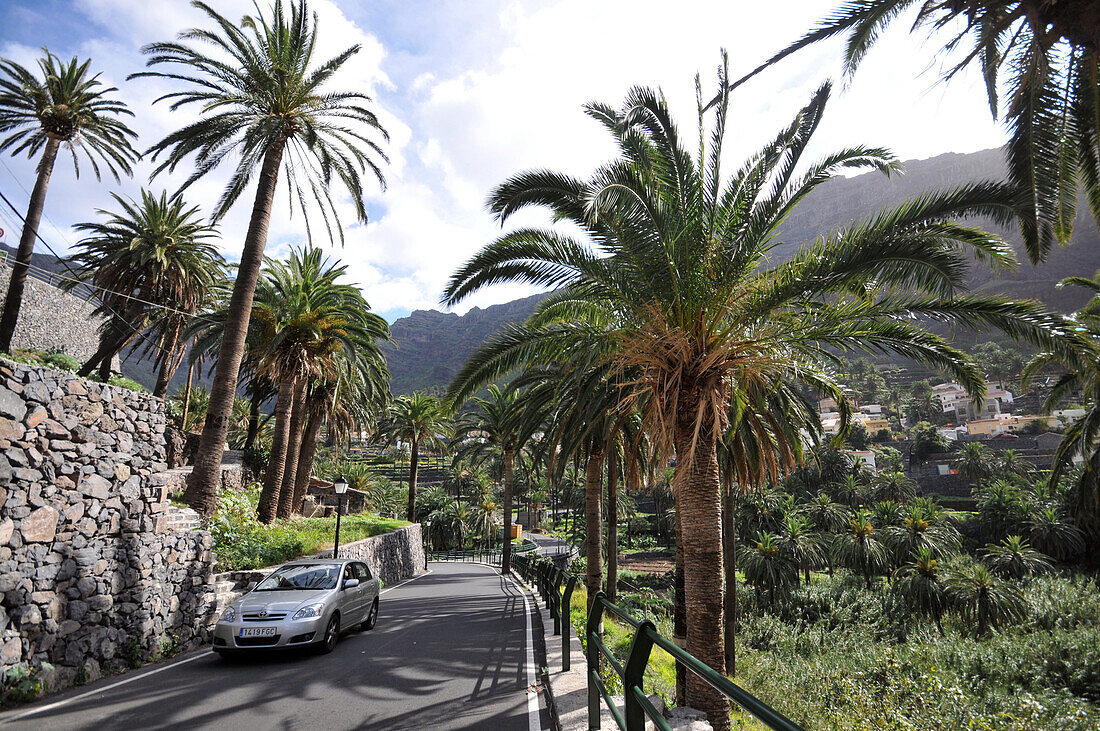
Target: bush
point(61, 361)
point(22, 683)
point(124, 382)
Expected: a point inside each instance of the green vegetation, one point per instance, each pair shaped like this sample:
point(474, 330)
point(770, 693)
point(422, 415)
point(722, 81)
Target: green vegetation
point(242, 542)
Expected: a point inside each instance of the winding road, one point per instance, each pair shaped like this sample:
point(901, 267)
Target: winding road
point(452, 649)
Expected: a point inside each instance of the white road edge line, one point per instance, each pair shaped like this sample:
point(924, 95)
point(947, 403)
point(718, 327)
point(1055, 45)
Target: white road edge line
point(124, 681)
point(534, 719)
point(405, 581)
point(104, 689)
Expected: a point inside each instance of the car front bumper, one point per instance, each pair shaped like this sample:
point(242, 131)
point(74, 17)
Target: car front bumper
point(288, 633)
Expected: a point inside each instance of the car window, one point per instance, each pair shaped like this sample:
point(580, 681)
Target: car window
point(364, 571)
point(349, 572)
point(308, 576)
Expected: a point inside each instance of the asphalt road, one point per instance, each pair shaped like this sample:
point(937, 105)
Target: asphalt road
point(450, 650)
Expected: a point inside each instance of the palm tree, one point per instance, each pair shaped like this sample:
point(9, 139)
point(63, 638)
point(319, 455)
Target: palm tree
point(1013, 464)
point(269, 110)
point(1080, 444)
point(982, 599)
point(859, 549)
point(768, 568)
point(154, 251)
point(421, 420)
point(63, 105)
point(921, 531)
point(922, 585)
point(800, 545)
point(824, 515)
point(680, 288)
point(309, 325)
point(974, 461)
point(1003, 509)
point(893, 486)
point(1049, 532)
point(496, 423)
point(1051, 52)
point(1014, 558)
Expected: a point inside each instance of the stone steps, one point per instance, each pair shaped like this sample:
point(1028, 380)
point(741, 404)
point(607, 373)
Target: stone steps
point(182, 519)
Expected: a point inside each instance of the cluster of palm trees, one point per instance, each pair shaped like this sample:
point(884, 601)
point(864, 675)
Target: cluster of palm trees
point(864, 525)
point(262, 102)
point(671, 332)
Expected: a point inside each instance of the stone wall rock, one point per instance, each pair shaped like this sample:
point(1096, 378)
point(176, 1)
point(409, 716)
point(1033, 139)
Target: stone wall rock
point(394, 556)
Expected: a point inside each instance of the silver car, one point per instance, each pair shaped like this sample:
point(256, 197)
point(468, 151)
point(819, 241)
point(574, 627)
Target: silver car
point(301, 604)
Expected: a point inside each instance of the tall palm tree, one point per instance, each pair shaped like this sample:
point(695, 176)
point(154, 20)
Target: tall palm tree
point(859, 549)
point(768, 568)
point(1014, 558)
point(1050, 52)
point(269, 109)
point(309, 324)
point(674, 281)
point(921, 582)
point(496, 422)
point(62, 105)
point(974, 461)
point(1052, 534)
point(155, 264)
point(824, 515)
point(1081, 442)
point(421, 420)
point(983, 599)
point(920, 530)
point(801, 545)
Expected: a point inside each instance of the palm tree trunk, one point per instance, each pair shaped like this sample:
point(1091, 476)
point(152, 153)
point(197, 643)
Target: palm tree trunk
point(187, 397)
point(203, 485)
point(509, 477)
point(414, 461)
point(699, 504)
point(729, 558)
point(170, 361)
point(612, 524)
point(253, 418)
point(294, 444)
point(18, 280)
point(679, 609)
point(110, 342)
point(305, 459)
point(593, 492)
point(268, 508)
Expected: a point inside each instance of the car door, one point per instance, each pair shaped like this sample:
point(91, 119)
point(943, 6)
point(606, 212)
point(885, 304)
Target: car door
point(366, 595)
point(350, 601)
point(369, 582)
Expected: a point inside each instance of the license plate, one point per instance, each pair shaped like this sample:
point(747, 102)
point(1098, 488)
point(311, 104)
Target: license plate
point(257, 632)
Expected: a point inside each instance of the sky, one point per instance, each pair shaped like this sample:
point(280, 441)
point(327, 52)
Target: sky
point(475, 91)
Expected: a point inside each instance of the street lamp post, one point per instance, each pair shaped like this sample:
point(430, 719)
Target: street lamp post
point(340, 486)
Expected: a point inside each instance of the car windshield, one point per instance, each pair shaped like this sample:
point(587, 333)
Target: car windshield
point(311, 576)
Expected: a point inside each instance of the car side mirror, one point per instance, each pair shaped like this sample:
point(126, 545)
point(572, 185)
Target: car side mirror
point(349, 583)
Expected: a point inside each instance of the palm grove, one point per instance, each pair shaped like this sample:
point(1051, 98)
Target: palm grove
point(671, 343)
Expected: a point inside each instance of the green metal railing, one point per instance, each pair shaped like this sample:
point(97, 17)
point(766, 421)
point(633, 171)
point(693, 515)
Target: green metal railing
point(555, 587)
point(636, 704)
point(480, 555)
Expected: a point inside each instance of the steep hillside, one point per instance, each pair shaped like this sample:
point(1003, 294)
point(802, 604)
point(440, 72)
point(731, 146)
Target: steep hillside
point(432, 346)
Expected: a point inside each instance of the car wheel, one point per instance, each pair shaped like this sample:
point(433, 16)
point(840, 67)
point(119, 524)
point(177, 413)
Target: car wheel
point(332, 634)
point(372, 617)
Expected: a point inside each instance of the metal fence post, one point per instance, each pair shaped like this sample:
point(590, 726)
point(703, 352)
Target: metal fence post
point(567, 603)
point(633, 674)
point(591, 631)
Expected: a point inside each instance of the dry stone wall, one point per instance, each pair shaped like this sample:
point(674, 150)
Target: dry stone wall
point(87, 571)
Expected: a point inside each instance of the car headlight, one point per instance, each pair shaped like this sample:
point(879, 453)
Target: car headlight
point(310, 611)
point(230, 614)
